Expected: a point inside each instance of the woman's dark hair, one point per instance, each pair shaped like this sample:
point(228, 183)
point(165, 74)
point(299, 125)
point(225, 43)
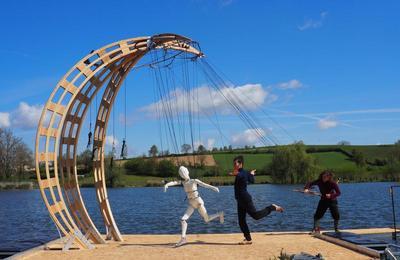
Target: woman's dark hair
point(329, 173)
point(239, 159)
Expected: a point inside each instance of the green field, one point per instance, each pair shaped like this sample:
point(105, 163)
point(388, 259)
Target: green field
point(129, 181)
point(333, 160)
point(372, 152)
point(329, 160)
point(335, 157)
point(145, 181)
point(253, 161)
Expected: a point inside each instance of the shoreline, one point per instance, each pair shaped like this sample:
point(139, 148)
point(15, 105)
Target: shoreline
point(14, 186)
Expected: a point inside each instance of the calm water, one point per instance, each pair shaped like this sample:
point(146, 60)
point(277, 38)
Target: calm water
point(24, 221)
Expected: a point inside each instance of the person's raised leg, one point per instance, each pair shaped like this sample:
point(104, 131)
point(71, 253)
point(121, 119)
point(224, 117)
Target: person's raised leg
point(207, 218)
point(185, 217)
point(259, 214)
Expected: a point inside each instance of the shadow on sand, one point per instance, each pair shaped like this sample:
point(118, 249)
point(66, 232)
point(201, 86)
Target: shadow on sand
point(197, 242)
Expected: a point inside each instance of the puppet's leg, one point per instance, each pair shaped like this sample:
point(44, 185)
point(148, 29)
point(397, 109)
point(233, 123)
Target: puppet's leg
point(185, 217)
point(207, 218)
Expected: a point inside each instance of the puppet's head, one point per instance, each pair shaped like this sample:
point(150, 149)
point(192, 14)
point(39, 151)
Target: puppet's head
point(184, 173)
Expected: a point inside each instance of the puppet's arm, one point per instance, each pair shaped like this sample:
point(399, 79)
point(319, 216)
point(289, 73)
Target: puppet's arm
point(207, 186)
point(171, 183)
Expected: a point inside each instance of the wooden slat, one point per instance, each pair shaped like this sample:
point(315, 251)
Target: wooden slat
point(47, 183)
point(105, 58)
point(105, 104)
point(83, 98)
point(68, 86)
point(50, 157)
point(124, 47)
point(57, 207)
point(101, 123)
point(57, 108)
point(50, 132)
point(82, 67)
point(67, 162)
point(95, 81)
point(98, 143)
point(68, 140)
point(74, 119)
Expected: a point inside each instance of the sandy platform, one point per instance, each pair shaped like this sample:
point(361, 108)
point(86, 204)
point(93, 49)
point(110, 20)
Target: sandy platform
point(205, 246)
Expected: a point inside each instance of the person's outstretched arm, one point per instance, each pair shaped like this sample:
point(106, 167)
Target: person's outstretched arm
point(207, 186)
point(171, 183)
point(310, 184)
point(250, 176)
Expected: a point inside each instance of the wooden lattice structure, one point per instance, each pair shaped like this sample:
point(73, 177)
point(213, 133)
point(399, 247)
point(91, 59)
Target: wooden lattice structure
point(60, 126)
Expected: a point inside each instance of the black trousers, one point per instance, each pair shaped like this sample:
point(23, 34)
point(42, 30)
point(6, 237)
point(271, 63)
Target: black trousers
point(245, 206)
point(323, 205)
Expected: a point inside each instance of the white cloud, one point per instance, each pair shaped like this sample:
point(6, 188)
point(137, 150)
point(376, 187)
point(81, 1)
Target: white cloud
point(109, 140)
point(327, 123)
point(312, 23)
point(210, 143)
point(291, 84)
point(26, 116)
point(225, 3)
point(248, 137)
point(205, 99)
point(5, 119)
point(196, 144)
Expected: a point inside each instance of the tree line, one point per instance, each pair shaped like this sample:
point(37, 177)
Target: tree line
point(15, 156)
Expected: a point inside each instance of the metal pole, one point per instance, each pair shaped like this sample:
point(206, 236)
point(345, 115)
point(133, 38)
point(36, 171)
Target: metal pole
point(394, 214)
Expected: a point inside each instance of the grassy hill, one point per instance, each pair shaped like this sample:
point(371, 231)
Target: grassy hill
point(334, 157)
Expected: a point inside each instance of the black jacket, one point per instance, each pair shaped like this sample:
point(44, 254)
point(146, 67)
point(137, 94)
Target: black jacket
point(241, 181)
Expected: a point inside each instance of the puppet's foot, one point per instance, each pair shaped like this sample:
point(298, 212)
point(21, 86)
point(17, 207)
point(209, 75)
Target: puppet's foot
point(221, 217)
point(181, 242)
point(278, 208)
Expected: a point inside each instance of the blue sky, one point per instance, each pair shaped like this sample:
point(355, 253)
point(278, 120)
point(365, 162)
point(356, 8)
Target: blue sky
point(332, 66)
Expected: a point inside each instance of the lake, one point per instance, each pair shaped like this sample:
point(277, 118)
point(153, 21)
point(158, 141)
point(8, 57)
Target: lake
point(25, 223)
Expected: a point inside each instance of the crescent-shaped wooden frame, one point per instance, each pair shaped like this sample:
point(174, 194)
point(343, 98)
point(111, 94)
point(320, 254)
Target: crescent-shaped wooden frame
point(60, 126)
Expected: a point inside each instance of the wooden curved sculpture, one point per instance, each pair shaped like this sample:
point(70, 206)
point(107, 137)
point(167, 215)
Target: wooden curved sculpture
point(60, 125)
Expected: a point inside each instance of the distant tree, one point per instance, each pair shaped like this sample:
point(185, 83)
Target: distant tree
point(201, 149)
point(112, 173)
point(185, 148)
point(14, 155)
point(343, 143)
point(153, 151)
point(166, 168)
point(397, 142)
point(84, 161)
point(150, 167)
point(134, 166)
point(291, 164)
point(24, 158)
point(358, 158)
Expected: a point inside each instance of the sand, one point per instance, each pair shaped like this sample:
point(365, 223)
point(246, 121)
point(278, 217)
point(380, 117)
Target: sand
point(206, 246)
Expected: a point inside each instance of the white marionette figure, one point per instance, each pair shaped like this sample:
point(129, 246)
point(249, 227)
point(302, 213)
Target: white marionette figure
point(194, 199)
